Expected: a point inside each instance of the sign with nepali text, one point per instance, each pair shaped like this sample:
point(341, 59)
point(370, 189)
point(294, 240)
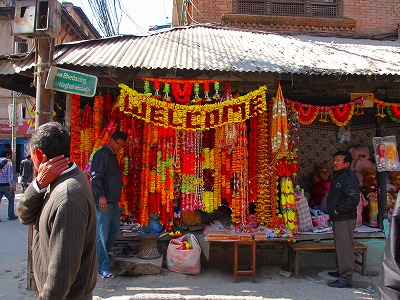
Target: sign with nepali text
point(71, 82)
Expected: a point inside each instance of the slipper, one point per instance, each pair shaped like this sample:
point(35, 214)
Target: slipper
point(106, 274)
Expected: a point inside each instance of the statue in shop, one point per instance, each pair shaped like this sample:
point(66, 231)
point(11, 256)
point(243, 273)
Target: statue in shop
point(321, 178)
point(361, 162)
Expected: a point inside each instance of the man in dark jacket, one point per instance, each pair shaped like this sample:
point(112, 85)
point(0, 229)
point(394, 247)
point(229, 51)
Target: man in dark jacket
point(106, 180)
point(389, 287)
point(26, 171)
point(343, 198)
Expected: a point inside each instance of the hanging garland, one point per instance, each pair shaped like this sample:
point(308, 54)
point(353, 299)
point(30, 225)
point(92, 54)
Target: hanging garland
point(191, 117)
point(75, 135)
point(393, 112)
point(341, 114)
point(306, 113)
point(279, 129)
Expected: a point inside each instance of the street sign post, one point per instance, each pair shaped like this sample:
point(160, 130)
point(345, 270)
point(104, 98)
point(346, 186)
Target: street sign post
point(71, 82)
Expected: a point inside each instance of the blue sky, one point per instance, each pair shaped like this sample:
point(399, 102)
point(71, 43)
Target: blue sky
point(145, 13)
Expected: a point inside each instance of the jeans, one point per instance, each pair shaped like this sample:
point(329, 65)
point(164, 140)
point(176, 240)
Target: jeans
point(6, 191)
point(107, 231)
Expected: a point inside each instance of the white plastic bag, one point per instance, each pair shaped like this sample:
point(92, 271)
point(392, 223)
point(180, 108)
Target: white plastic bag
point(183, 260)
point(19, 179)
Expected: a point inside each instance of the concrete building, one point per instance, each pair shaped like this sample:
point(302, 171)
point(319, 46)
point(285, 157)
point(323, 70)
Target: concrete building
point(75, 26)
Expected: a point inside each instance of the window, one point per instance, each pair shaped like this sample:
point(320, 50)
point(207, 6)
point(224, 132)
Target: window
point(294, 8)
point(21, 45)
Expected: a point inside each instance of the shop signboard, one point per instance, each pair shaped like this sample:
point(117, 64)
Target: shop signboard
point(71, 82)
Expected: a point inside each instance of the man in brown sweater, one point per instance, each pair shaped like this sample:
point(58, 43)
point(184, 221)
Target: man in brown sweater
point(59, 204)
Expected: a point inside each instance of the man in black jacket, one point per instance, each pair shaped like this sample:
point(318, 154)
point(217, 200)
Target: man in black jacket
point(106, 180)
point(343, 198)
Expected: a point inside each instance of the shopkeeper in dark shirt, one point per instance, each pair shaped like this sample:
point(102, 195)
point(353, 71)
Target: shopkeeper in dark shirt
point(343, 198)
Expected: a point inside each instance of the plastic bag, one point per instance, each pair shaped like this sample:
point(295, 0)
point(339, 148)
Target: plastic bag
point(183, 255)
point(19, 179)
point(303, 212)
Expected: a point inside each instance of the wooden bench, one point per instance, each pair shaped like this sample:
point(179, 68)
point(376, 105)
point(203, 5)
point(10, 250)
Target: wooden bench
point(253, 259)
point(297, 249)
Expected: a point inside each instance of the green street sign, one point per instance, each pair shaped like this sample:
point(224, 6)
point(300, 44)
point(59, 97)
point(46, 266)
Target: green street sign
point(71, 82)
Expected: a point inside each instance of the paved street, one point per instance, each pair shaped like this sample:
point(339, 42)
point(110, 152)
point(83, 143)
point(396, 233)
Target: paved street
point(214, 282)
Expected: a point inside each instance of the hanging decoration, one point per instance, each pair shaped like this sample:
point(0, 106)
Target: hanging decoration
point(341, 114)
point(240, 178)
point(288, 205)
point(306, 113)
point(86, 143)
point(75, 132)
point(191, 117)
point(279, 130)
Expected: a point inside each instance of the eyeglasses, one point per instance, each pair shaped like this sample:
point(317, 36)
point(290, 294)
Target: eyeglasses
point(338, 161)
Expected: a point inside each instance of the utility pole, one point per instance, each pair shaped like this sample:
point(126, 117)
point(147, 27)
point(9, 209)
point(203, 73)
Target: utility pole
point(14, 128)
point(41, 21)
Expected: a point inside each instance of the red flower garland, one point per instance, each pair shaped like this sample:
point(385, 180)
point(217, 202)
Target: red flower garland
point(306, 113)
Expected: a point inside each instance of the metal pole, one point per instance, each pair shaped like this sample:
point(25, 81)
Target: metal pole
point(44, 114)
point(14, 128)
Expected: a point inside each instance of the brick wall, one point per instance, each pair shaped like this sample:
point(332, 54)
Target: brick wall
point(361, 17)
point(210, 11)
point(373, 16)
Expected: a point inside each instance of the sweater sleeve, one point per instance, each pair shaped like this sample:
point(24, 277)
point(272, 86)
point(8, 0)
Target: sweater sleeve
point(68, 228)
point(30, 205)
point(99, 166)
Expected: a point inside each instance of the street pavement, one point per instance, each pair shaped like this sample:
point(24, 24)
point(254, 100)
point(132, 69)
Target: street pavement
point(214, 281)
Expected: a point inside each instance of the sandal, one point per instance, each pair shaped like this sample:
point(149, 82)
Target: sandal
point(106, 274)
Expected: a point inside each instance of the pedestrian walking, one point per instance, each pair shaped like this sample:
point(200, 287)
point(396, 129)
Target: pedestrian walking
point(26, 172)
point(7, 182)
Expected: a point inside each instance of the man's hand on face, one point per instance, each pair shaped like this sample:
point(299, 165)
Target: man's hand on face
point(50, 169)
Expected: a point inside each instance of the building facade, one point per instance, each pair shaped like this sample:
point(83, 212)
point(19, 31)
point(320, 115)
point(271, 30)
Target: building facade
point(348, 18)
point(75, 26)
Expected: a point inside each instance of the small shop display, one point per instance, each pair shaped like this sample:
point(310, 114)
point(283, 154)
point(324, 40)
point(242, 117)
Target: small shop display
point(192, 149)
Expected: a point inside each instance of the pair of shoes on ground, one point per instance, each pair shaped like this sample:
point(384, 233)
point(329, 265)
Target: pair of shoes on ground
point(338, 284)
point(106, 274)
point(14, 217)
point(333, 274)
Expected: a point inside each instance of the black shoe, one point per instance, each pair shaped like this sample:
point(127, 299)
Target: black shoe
point(333, 274)
point(13, 217)
point(338, 284)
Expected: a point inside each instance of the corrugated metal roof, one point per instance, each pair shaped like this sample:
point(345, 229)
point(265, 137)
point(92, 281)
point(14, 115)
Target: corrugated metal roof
point(215, 48)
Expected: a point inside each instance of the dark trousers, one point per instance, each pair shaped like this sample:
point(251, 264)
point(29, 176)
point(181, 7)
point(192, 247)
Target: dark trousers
point(343, 233)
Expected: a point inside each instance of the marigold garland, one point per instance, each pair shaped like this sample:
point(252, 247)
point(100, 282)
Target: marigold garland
point(75, 131)
point(288, 205)
point(306, 113)
point(394, 113)
point(341, 114)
